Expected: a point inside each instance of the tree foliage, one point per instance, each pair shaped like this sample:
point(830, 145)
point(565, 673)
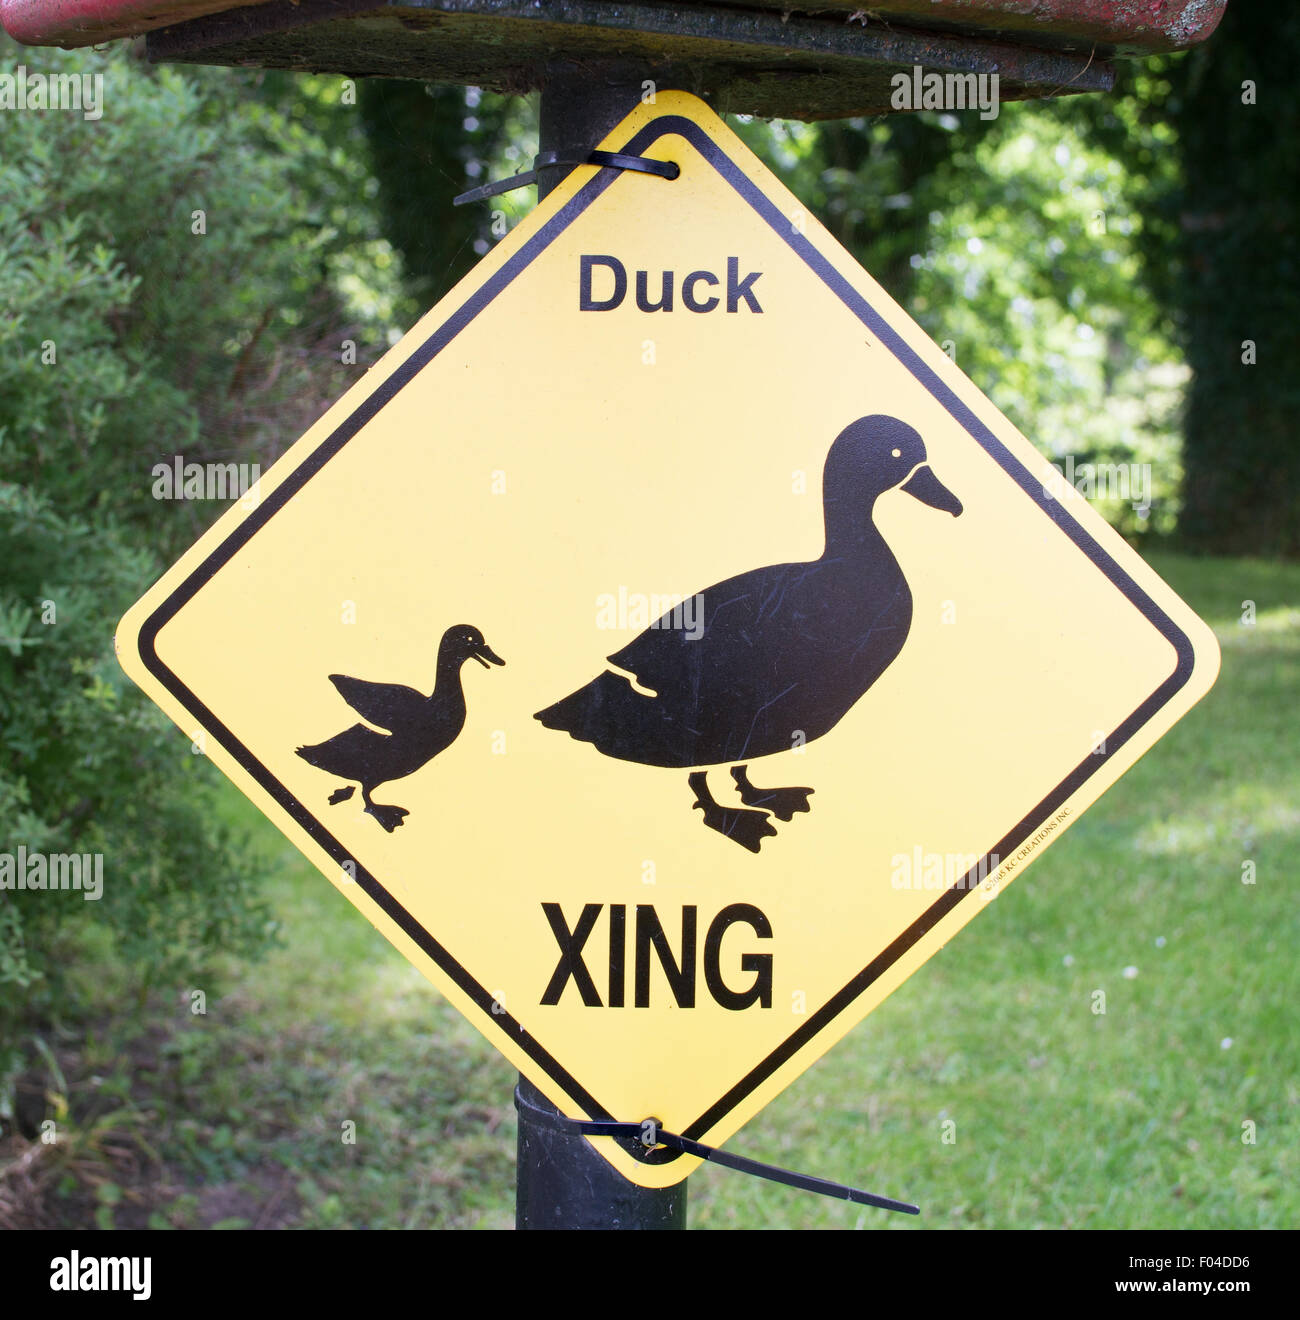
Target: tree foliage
point(1237, 279)
point(169, 285)
point(426, 145)
point(1205, 138)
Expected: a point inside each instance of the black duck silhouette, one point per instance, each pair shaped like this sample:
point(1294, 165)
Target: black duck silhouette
point(421, 726)
point(783, 652)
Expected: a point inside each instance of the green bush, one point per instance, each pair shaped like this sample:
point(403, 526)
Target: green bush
point(128, 336)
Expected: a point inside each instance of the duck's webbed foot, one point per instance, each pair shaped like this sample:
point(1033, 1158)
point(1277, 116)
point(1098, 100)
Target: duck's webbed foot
point(341, 794)
point(781, 802)
point(747, 828)
point(389, 817)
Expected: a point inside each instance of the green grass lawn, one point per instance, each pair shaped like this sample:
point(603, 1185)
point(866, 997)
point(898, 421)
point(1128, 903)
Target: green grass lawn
point(1063, 1117)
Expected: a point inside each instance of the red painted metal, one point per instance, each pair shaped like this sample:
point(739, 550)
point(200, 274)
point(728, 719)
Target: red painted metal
point(1132, 26)
point(87, 22)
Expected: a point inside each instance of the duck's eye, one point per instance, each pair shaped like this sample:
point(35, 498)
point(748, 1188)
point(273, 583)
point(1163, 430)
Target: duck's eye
point(897, 453)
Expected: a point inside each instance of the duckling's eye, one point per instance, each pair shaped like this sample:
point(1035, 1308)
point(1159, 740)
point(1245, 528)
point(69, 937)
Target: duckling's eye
point(897, 453)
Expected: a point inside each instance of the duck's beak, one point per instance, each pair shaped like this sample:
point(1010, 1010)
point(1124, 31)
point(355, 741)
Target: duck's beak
point(926, 487)
point(486, 653)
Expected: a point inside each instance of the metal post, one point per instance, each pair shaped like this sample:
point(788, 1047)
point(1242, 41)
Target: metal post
point(561, 1182)
point(582, 102)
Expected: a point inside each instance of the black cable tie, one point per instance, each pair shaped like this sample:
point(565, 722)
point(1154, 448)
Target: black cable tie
point(665, 169)
point(650, 1133)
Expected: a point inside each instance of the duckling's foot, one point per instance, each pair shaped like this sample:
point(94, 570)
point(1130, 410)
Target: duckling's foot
point(747, 828)
point(389, 817)
point(341, 795)
point(781, 802)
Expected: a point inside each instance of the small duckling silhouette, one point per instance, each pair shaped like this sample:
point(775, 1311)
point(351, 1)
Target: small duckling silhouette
point(782, 652)
point(421, 726)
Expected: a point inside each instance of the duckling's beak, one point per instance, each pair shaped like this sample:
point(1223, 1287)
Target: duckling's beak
point(486, 653)
point(926, 487)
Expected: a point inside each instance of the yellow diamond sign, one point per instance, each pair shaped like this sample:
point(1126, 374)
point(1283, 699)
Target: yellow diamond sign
point(665, 645)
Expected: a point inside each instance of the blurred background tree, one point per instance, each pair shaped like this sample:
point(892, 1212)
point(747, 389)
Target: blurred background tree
point(1203, 139)
point(1237, 261)
point(427, 143)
